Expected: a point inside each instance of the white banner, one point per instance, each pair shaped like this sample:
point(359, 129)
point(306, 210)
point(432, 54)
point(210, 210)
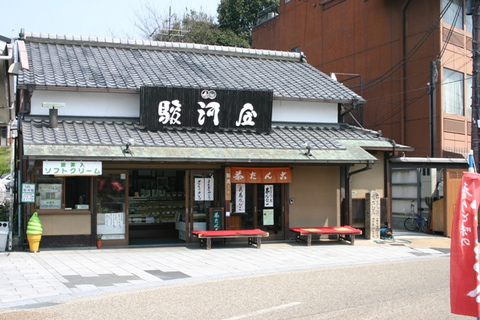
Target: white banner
point(240, 197)
point(72, 168)
point(268, 196)
point(199, 189)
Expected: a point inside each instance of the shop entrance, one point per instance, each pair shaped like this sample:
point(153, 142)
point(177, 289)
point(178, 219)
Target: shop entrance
point(201, 195)
point(111, 191)
point(156, 200)
point(256, 205)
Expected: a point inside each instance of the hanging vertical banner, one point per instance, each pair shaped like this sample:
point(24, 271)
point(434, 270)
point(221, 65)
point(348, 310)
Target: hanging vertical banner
point(240, 197)
point(208, 189)
point(204, 189)
point(268, 196)
point(464, 262)
point(199, 189)
point(228, 184)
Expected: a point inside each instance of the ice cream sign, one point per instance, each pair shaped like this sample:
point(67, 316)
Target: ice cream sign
point(72, 168)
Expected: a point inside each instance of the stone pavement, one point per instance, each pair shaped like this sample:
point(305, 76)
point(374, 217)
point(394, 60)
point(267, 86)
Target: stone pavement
point(38, 279)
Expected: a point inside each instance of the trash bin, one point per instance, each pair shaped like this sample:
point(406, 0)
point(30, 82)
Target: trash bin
point(3, 235)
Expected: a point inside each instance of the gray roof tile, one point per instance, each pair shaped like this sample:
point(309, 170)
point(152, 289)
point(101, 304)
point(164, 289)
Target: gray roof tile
point(65, 61)
point(117, 133)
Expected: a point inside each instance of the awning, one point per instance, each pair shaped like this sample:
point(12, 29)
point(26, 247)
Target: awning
point(421, 162)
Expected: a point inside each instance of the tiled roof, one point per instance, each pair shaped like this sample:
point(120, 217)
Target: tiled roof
point(99, 63)
point(116, 133)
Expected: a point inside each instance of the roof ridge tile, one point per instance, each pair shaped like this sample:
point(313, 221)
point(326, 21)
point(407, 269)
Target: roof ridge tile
point(205, 48)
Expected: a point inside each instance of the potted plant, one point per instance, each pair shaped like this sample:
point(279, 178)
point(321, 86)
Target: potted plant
point(4, 211)
point(99, 241)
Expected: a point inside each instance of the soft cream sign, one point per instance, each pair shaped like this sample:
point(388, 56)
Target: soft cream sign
point(72, 168)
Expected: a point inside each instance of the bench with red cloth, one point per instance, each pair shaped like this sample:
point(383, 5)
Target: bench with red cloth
point(343, 233)
point(251, 234)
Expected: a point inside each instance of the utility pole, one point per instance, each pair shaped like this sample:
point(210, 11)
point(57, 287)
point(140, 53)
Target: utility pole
point(473, 8)
point(433, 113)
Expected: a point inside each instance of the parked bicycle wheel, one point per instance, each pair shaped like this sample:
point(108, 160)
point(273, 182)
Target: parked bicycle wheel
point(424, 226)
point(410, 224)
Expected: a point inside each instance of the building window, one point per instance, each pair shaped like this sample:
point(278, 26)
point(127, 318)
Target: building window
point(62, 193)
point(454, 14)
point(453, 94)
point(286, 1)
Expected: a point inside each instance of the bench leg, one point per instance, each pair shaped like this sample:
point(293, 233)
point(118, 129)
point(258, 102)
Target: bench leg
point(352, 239)
point(309, 240)
point(209, 243)
point(258, 242)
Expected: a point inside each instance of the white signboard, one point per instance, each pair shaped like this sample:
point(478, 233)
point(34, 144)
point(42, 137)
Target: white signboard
point(111, 225)
point(72, 168)
point(240, 197)
point(268, 196)
point(199, 189)
point(28, 192)
point(268, 217)
point(204, 189)
point(50, 195)
point(209, 189)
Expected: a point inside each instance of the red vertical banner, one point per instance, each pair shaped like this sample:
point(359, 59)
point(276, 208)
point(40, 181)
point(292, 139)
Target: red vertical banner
point(464, 262)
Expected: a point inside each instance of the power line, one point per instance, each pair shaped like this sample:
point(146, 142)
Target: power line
point(400, 63)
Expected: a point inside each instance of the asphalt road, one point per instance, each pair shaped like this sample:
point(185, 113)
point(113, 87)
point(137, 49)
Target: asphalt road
point(417, 289)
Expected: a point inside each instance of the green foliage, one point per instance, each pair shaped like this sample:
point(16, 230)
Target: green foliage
point(240, 16)
point(4, 209)
point(5, 157)
point(199, 27)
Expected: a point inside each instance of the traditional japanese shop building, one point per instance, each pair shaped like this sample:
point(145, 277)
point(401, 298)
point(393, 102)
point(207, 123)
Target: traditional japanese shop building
point(141, 141)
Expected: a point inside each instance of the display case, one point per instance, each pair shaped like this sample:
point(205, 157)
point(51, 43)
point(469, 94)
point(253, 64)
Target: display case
point(150, 210)
point(199, 223)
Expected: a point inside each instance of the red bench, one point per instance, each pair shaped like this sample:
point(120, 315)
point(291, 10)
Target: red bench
point(251, 234)
point(343, 233)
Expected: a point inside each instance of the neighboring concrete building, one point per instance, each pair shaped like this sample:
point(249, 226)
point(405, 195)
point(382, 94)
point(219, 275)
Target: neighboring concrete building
point(138, 140)
point(410, 59)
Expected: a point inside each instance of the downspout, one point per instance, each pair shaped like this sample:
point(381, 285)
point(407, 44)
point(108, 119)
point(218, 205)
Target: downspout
point(21, 159)
point(348, 194)
point(10, 53)
point(402, 83)
point(388, 184)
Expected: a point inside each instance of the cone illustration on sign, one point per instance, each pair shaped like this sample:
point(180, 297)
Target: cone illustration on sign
point(34, 232)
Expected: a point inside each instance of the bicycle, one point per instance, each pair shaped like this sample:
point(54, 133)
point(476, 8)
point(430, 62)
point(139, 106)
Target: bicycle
point(416, 221)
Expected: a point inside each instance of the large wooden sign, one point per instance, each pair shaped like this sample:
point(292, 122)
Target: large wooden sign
point(207, 109)
point(261, 175)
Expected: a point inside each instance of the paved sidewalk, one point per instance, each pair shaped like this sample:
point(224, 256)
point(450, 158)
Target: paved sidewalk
point(34, 279)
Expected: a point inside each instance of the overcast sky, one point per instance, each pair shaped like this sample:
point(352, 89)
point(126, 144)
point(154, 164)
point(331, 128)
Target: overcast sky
point(96, 18)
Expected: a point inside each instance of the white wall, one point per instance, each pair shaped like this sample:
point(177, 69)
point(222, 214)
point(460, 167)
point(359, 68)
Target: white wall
point(302, 111)
point(88, 104)
point(96, 104)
